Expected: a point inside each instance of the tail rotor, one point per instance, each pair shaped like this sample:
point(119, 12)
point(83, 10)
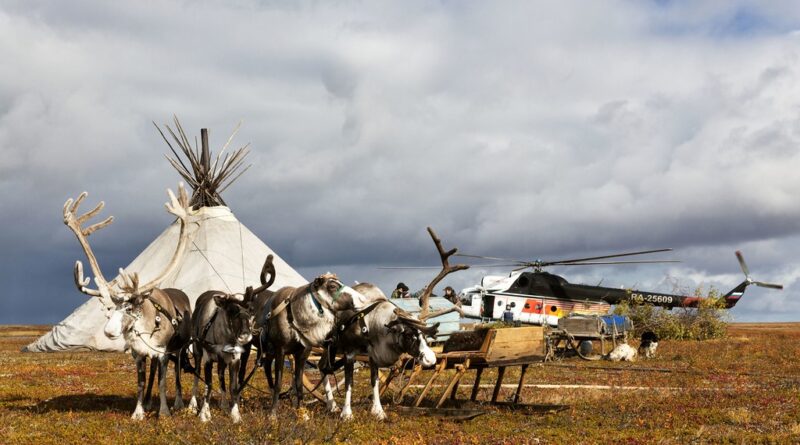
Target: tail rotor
point(749, 280)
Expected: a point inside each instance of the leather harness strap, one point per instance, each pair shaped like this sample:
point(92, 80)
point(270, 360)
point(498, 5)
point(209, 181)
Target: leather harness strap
point(207, 327)
point(174, 321)
point(328, 363)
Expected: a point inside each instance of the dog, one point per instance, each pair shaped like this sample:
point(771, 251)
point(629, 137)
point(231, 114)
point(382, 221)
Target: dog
point(649, 344)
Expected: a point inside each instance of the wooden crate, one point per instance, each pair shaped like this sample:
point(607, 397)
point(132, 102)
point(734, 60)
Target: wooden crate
point(514, 344)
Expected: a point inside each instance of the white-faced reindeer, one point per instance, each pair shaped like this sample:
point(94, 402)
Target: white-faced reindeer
point(384, 332)
point(295, 319)
point(155, 323)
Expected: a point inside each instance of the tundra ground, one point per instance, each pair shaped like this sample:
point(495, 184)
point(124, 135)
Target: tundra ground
point(743, 389)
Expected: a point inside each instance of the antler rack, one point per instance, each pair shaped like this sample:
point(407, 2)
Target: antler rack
point(446, 270)
point(125, 284)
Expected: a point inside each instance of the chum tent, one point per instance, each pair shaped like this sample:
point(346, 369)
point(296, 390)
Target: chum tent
point(221, 254)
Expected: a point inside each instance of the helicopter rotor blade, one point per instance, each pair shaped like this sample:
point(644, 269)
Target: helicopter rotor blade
point(489, 258)
point(594, 263)
point(740, 257)
point(769, 285)
point(439, 267)
point(580, 260)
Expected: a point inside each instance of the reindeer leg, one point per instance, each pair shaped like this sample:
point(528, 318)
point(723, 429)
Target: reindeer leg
point(347, 412)
point(276, 389)
point(138, 413)
point(148, 401)
point(329, 400)
point(267, 364)
point(300, 359)
point(163, 361)
point(377, 409)
point(205, 412)
point(178, 390)
point(235, 388)
point(223, 395)
point(243, 358)
point(198, 355)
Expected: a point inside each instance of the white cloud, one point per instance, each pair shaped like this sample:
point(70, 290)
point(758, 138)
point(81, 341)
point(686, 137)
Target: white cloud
point(517, 129)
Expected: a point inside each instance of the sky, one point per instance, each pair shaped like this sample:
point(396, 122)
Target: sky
point(516, 129)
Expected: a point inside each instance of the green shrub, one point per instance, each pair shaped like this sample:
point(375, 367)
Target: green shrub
point(708, 320)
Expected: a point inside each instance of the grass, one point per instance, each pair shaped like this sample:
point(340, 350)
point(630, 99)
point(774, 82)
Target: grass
point(743, 389)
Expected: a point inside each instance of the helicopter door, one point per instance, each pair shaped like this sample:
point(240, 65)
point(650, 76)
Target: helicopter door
point(487, 310)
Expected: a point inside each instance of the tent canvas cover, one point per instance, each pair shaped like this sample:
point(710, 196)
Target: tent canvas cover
point(222, 254)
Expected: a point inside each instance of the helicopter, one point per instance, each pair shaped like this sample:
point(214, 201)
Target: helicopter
point(540, 298)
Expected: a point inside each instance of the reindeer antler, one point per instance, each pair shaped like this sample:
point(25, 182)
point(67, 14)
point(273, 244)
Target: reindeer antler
point(181, 208)
point(446, 269)
point(267, 270)
point(127, 283)
point(74, 222)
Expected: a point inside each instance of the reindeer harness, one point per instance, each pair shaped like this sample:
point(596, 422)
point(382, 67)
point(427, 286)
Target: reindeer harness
point(328, 363)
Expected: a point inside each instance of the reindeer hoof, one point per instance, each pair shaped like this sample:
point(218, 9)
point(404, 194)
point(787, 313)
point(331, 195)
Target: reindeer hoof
point(192, 406)
point(333, 408)
point(164, 412)
point(178, 404)
point(379, 414)
point(235, 417)
point(138, 414)
point(205, 413)
point(346, 414)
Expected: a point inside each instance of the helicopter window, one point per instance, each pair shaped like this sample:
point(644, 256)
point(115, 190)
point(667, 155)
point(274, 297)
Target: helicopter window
point(553, 309)
point(513, 304)
point(527, 306)
point(499, 303)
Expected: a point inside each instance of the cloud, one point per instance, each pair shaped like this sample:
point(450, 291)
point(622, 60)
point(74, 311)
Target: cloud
point(515, 130)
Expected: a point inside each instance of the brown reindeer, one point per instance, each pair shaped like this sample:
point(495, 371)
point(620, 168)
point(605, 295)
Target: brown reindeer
point(155, 323)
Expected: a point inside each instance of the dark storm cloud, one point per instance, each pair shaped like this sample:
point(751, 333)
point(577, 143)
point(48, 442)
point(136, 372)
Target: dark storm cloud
point(516, 130)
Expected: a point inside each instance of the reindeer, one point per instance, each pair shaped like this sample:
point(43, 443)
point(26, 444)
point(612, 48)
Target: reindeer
point(384, 332)
point(222, 330)
point(295, 319)
point(155, 323)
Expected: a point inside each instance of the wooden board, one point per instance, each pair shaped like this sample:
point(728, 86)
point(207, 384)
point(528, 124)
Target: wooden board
point(514, 343)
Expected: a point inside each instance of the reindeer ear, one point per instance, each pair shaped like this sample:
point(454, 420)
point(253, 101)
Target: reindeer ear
point(431, 331)
point(395, 325)
point(220, 299)
point(318, 282)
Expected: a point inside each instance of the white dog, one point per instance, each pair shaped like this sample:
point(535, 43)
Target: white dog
point(623, 353)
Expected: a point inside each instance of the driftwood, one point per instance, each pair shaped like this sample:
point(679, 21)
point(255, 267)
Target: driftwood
point(446, 270)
